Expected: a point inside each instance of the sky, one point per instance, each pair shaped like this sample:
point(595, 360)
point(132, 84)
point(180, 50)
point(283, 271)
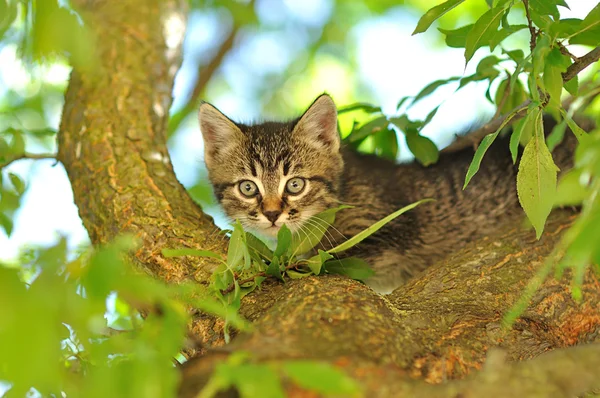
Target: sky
point(48, 210)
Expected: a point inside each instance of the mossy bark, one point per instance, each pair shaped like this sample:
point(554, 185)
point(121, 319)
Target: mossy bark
point(438, 327)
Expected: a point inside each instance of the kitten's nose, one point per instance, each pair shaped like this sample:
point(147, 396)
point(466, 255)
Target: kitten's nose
point(272, 215)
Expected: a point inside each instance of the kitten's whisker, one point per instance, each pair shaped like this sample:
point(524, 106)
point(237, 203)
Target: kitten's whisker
point(320, 228)
point(329, 225)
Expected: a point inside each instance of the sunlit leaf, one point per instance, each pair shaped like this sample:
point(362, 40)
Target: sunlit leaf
point(351, 267)
point(423, 148)
point(356, 239)
point(284, 240)
point(483, 147)
point(321, 377)
point(485, 27)
point(457, 38)
point(536, 180)
point(312, 233)
point(434, 13)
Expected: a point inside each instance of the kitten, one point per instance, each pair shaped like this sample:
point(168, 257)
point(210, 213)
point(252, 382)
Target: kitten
point(273, 173)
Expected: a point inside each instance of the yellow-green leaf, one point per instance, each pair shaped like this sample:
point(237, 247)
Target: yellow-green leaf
point(433, 14)
point(536, 180)
point(374, 228)
point(485, 26)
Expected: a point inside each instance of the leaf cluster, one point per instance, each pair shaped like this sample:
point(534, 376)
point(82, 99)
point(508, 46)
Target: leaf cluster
point(249, 261)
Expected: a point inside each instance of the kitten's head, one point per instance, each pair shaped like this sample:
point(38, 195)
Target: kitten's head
point(271, 174)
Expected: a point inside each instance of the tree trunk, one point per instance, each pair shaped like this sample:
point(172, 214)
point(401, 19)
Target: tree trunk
point(440, 326)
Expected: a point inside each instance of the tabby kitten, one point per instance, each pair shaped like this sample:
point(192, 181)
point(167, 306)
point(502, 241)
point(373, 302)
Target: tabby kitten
point(276, 173)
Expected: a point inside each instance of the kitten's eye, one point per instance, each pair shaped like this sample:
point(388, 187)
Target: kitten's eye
point(295, 185)
point(248, 188)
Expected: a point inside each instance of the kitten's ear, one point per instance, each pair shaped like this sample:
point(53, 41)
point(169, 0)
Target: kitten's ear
point(318, 125)
point(220, 134)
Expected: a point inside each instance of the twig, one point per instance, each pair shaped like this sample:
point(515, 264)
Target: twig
point(581, 63)
point(564, 51)
point(29, 156)
point(476, 136)
point(533, 39)
point(205, 74)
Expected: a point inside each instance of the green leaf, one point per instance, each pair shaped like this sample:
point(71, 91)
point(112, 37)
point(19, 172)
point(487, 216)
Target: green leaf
point(214, 307)
point(536, 179)
point(257, 380)
point(312, 233)
point(386, 144)
point(431, 87)
point(368, 128)
point(572, 86)
point(433, 14)
point(316, 262)
point(258, 246)
point(516, 95)
point(558, 60)
point(523, 128)
point(542, 48)
point(402, 101)
point(351, 267)
point(483, 147)
point(486, 26)
point(557, 135)
point(274, 269)
point(17, 182)
point(356, 239)
point(368, 108)
point(545, 7)
point(297, 275)
point(235, 251)
point(7, 224)
point(503, 34)
point(515, 55)
point(321, 377)
point(588, 31)
point(190, 252)
point(565, 28)
point(553, 83)
point(284, 239)
point(423, 148)
point(457, 38)
point(570, 191)
point(578, 131)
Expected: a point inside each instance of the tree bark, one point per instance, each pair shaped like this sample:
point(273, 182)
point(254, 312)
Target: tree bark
point(440, 326)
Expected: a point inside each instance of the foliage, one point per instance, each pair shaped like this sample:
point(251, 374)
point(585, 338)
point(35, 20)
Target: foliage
point(249, 261)
point(54, 332)
point(264, 379)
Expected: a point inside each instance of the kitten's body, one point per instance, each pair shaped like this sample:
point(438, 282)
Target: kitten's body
point(270, 155)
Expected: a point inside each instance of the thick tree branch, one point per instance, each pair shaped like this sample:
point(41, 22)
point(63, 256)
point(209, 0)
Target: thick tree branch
point(567, 373)
point(35, 156)
point(475, 137)
point(112, 139)
point(437, 327)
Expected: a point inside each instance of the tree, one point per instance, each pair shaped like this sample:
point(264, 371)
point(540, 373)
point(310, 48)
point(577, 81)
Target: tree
point(442, 325)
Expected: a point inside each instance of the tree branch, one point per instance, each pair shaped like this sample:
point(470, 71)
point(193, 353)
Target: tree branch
point(567, 372)
point(205, 74)
point(475, 137)
point(26, 155)
point(532, 32)
point(581, 63)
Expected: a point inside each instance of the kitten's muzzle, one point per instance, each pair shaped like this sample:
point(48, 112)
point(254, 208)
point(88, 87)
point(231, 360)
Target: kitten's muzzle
point(272, 215)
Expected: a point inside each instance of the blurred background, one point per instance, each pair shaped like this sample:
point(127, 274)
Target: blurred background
point(254, 60)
